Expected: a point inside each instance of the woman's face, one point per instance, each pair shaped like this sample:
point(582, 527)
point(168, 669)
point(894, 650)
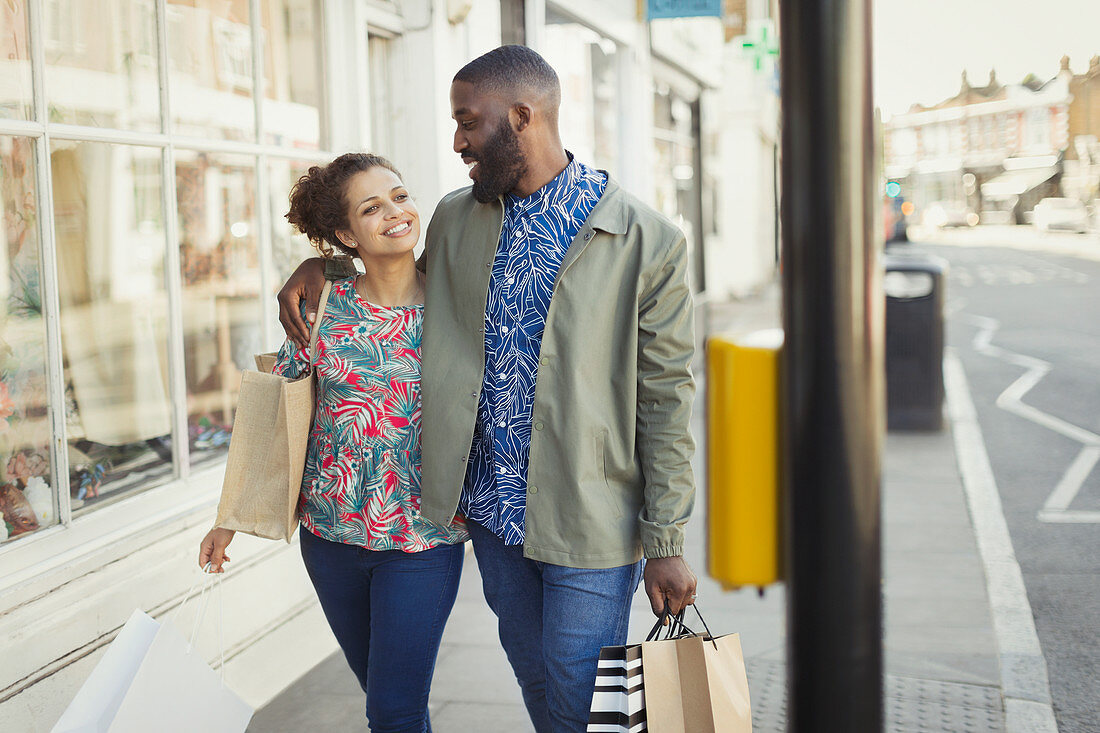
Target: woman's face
point(382, 218)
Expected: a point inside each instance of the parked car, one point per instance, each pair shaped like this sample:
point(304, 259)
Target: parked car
point(949, 214)
point(1061, 214)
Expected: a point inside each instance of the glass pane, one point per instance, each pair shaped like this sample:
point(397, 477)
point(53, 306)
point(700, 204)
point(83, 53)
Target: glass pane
point(15, 65)
point(111, 242)
point(216, 195)
point(288, 247)
point(383, 112)
point(586, 66)
point(27, 487)
point(292, 73)
point(210, 69)
point(101, 63)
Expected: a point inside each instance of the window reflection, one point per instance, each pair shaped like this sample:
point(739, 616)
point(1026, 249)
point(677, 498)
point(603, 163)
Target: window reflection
point(292, 78)
point(288, 246)
point(114, 312)
point(216, 196)
point(102, 64)
point(210, 69)
point(27, 485)
point(15, 64)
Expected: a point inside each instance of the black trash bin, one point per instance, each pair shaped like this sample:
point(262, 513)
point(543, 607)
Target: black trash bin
point(914, 286)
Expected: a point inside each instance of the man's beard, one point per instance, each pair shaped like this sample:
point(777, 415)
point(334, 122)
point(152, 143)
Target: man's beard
point(501, 163)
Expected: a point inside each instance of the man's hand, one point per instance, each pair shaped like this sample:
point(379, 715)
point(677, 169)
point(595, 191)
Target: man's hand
point(305, 283)
point(669, 580)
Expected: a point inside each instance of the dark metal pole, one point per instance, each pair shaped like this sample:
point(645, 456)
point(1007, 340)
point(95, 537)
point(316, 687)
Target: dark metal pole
point(833, 315)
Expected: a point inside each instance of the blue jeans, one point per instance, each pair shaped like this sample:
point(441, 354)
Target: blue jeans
point(387, 611)
point(552, 621)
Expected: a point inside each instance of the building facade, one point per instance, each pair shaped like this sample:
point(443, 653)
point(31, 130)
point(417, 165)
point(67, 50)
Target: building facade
point(994, 150)
point(147, 148)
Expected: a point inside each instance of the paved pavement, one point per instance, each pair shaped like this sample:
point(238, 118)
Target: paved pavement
point(940, 648)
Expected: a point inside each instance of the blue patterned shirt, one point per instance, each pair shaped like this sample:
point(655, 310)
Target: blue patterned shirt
point(537, 231)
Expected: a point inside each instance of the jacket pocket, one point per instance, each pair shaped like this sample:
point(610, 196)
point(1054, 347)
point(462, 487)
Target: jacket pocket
point(612, 498)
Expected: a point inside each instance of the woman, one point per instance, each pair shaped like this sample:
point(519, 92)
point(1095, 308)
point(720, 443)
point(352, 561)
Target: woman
point(386, 577)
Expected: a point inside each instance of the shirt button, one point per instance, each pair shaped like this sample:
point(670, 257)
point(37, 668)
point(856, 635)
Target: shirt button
point(538, 426)
point(511, 280)
point(545, 361)
point(473, 394)
point(588, 236)
point(500, 424)
point(504, 329)
point(489, 265)
point(463, 459)
point(534, 489)
point(481, 329)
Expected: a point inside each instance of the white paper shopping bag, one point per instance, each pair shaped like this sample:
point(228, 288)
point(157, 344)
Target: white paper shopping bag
point(96, 703)
point(150, 679)
point(175, 691)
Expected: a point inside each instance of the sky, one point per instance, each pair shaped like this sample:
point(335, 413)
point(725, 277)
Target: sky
point(922, 46)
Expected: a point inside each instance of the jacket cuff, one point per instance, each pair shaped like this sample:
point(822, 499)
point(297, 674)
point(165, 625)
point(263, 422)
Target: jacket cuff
point(659, 551)
point(339, 268)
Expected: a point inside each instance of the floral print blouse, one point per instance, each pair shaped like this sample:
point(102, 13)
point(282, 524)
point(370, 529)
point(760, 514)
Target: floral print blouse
point(361, 484)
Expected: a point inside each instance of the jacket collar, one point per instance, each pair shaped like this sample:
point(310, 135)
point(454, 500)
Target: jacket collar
point(610, 214)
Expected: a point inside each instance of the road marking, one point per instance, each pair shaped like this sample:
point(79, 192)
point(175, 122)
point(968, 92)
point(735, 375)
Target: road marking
point(1024, 680)
point(1056, 508)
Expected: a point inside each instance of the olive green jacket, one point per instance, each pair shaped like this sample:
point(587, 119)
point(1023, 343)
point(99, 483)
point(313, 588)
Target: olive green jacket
point(610, 470)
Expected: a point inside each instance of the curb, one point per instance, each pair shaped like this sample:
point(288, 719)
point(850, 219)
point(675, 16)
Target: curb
point(1024, 680)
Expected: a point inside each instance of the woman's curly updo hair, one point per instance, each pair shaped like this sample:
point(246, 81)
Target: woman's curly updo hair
point(317, 204)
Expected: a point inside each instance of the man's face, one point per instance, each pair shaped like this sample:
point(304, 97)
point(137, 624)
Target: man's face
point(486, 141)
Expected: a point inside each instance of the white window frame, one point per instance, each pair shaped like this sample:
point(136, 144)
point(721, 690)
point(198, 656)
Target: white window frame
point(53, 555)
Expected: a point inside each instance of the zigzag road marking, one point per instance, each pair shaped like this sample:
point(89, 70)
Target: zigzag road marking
point(1056, 508)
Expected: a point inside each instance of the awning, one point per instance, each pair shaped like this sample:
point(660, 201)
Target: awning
point(1013, 183)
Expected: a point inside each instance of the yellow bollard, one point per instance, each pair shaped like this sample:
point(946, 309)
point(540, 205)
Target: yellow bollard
point(744, 513)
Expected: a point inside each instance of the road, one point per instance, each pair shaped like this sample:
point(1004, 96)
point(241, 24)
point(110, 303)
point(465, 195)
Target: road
point(1024, 319)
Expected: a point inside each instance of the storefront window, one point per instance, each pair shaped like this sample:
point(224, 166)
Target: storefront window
point(210, 69)
point(220, 271)
point(288, 246)
point(27, 487)
point(114, 312)
point(15, 62)
point(292, 73)
point(101, 63)
point(586, 63)
point(678, 188)
point(382, 107)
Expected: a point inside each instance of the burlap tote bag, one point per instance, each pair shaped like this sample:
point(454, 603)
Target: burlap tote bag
point(267, 451)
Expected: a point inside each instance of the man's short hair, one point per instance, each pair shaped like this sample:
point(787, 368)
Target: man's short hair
point(512, 71)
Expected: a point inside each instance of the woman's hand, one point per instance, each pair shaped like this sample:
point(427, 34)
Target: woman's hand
point(212, 549)
point(305, 283)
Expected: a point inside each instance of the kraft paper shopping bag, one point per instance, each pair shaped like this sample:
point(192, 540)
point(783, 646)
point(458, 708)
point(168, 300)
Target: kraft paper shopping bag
point(696, 684)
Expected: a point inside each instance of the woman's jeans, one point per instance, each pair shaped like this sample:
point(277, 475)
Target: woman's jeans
point(387, 610)
point(552, 622)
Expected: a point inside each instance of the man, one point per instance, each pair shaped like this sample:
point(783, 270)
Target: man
point(556, 384)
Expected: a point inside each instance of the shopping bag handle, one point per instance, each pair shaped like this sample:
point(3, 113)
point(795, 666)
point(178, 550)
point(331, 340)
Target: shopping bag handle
point(676, 628)
point(210, 581)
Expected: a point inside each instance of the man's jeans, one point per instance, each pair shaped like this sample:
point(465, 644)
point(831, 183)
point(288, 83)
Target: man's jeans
point(387, 609)
point(552, 622)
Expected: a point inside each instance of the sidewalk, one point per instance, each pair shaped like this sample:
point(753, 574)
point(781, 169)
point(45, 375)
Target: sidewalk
point(941, 652)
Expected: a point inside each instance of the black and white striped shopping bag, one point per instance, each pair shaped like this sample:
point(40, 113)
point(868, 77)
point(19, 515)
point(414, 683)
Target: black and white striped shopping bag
point(618, 700)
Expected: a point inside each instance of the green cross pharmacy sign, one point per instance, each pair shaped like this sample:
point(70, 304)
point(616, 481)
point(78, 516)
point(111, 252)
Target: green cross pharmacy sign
point(760, 43)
